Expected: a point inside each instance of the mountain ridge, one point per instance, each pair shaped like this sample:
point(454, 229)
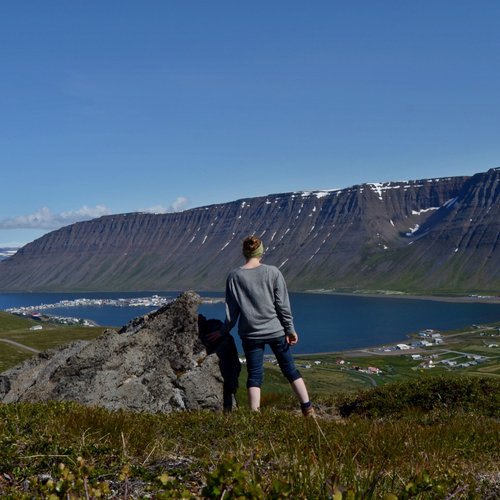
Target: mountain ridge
point(437, 234)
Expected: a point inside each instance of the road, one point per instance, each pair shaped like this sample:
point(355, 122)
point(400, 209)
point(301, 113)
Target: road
point(366, 376)
point(17, 344)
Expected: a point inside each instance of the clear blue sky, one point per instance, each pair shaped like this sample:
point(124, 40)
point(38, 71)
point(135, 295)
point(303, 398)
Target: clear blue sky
point(121, 106)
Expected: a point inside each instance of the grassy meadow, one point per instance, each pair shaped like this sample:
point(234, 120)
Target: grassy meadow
point(15, 329)
point(405, 433)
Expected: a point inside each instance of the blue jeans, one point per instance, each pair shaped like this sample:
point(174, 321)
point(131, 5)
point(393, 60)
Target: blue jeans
point(254, 352)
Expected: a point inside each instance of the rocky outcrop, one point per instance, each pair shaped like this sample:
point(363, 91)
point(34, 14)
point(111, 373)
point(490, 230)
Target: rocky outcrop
point(425, 235)
point(156, 363)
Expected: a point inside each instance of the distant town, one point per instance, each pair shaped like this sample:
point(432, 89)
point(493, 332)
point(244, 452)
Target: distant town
point(153, 301)
point(34, 312)
point(425, 350)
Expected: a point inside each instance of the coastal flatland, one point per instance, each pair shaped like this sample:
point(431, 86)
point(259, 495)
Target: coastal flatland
point(471, 351)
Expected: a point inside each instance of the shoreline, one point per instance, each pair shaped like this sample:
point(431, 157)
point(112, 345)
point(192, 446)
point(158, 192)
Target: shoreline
point(389, 294)
point(476, 299)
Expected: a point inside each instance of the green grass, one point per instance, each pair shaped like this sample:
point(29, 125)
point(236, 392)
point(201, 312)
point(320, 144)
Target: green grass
point(17, 329)
point(414, 436)
point(69, 451)
point(449, 393)
point(12, 356)
point(52, 336)
point(9, 322)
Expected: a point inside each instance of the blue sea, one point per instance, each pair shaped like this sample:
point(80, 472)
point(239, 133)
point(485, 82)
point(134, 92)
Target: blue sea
point(325, 323)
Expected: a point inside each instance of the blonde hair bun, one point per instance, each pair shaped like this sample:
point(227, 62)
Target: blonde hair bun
point(252, 247)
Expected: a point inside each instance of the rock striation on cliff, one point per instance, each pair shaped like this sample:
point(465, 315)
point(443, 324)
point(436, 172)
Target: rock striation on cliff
point(156, 363)
point(425, 235)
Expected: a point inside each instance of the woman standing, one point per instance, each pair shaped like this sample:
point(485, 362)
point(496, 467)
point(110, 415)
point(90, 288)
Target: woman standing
point(257, 295)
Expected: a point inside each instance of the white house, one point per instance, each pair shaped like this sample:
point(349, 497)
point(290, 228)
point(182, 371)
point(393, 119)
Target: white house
point(449, 362)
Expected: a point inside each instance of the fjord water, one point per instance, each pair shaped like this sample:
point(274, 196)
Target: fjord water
point(325, 322)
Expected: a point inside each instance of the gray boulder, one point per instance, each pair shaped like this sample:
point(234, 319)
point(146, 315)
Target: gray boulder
point(156, 363)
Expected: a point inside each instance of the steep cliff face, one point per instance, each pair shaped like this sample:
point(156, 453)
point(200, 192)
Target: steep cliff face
point(457, 247)
point(433, 234)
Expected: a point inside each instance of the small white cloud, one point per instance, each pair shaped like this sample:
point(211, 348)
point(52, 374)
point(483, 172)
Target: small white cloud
point(177, 205)
point(45, 219)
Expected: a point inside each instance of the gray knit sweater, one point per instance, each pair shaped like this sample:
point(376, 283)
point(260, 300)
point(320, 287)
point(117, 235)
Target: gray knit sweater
point(258, 297)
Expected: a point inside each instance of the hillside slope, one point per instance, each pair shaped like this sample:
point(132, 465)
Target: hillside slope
point(425, 235)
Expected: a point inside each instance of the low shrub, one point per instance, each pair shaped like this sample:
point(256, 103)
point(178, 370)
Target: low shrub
point(466, 394)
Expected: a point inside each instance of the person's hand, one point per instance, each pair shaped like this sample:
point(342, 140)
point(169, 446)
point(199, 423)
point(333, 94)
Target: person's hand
point(213, 336)
point(292, 338)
